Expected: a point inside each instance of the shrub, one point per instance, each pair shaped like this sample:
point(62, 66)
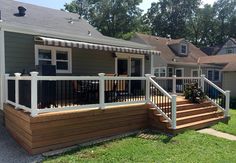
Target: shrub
point(194, 93)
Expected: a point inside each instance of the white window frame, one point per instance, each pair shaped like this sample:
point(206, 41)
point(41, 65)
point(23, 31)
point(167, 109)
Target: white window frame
point(213, 70)
point(186, 49)
point(165, 68)
point(54, 59)
point(192, 70)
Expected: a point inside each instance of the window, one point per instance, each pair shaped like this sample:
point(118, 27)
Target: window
point(229, 51)
point(195, 73)
point(61, 57)
point(183, 49)
point(213, 75)
point(170, 71)
point(160, 71)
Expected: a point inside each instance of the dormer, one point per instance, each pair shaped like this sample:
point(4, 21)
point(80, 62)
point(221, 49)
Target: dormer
point(180, 47)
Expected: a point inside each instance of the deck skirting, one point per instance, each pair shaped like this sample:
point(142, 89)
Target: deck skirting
point(52, 131)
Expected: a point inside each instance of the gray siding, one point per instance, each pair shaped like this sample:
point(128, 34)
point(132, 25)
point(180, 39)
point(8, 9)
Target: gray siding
point(228, 83)
point(91, 62)
point(147, 63)
point(228, 45)
point(19, 49)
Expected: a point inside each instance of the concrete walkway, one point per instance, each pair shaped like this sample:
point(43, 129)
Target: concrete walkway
point(213, 132)
point(11, 152)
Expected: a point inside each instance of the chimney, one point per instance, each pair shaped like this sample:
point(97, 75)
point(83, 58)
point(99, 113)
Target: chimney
point(21, 10)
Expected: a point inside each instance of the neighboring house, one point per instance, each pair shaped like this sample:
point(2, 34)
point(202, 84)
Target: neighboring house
point(227, 63)
point(31, 36)
point(178, 57)
point(229, 47)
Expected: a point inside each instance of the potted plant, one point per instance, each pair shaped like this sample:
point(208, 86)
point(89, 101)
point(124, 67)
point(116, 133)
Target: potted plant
point(194, 93)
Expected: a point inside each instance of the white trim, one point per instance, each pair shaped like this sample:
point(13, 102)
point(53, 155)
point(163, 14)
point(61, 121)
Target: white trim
point(213, 70)
point(129, 57)
point(152, 64)
point(2, 67)
point(54, 49)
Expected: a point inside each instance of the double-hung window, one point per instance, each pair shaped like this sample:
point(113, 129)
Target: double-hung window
point(213, 75)
point(60, 57)
point(183, 49)
point(160, 71)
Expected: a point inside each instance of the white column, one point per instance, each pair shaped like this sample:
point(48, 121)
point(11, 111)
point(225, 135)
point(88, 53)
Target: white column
point(2, 66)
point(174, 84)
point(148, 76)
point(152, 64)
point(34, 94)
point(227, 103)
point(101, 90)
point(173, 111)
point(202, 82)
point(6, 87)
point(17, 89)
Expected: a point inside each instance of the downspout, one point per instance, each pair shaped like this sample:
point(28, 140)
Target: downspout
point(2, 65)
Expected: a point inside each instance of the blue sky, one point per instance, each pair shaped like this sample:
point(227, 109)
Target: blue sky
point(58, 4)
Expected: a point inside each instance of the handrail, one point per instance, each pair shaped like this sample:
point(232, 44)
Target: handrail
point(214, 85)
point(160, 88)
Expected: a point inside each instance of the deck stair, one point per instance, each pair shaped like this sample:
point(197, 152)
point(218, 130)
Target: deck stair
point(189, 116)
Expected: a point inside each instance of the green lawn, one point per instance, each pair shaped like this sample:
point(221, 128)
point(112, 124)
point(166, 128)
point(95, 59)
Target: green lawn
point(188, 147)
point(228, 128)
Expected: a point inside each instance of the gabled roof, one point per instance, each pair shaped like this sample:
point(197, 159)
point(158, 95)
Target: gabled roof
point(47, 21)
point(167, 53)
point(228, 60)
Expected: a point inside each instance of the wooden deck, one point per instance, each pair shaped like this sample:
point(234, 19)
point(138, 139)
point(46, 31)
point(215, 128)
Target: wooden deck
point(57, 130)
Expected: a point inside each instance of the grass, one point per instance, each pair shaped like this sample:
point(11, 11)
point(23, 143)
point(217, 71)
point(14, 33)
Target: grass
point(228, 128)
point(189, 147)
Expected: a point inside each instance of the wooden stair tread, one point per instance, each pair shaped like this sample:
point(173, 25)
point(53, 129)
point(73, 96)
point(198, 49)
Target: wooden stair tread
point(198, 115)
point(190, 110)
point(199, 122)
point(194, 104)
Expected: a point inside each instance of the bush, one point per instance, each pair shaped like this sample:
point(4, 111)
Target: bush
point(194, 93)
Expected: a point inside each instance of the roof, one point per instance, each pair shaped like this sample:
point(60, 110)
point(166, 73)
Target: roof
point(167, 53)
point(47, 21)
point(228, 60)
point(218, 59)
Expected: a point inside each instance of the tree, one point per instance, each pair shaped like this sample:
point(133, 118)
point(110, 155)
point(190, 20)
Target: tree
point(113, 18)
point(169, 17)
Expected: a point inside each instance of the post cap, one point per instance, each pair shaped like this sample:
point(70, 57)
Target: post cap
point(34, 73)
point(101, 74)
point(17, 74)
point(203, 75)
point(174, 76)
point(148, 75)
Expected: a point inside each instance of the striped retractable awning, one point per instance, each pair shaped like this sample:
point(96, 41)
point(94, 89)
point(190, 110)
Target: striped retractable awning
point(95, 46)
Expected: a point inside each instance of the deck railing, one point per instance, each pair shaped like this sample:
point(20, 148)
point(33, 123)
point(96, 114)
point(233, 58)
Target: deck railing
point(40, 94)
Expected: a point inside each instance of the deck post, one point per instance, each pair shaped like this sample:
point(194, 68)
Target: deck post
point(17, 89)
point(227, 103)
point(173, 111)
point(101, 90)
point(174, 84)
point(6, 87)
point(148, 76)
point(202, 82)
point(34, 93)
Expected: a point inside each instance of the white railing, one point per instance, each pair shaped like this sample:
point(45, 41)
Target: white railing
point(216, 95)
point(162, 101)
point(119, 88)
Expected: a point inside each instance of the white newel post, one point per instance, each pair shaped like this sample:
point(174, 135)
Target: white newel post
point(34, 93)
point(17, 89)
point(202, 82)
point(6, 87)
point(227, 103)
point(101, 90)
point(148, 76)
point(174, 84)
point(173, 110)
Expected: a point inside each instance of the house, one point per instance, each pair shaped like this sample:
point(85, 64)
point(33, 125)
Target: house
point(177, 57)
point(227, 62)
point(63, 83)
point(229, 47)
